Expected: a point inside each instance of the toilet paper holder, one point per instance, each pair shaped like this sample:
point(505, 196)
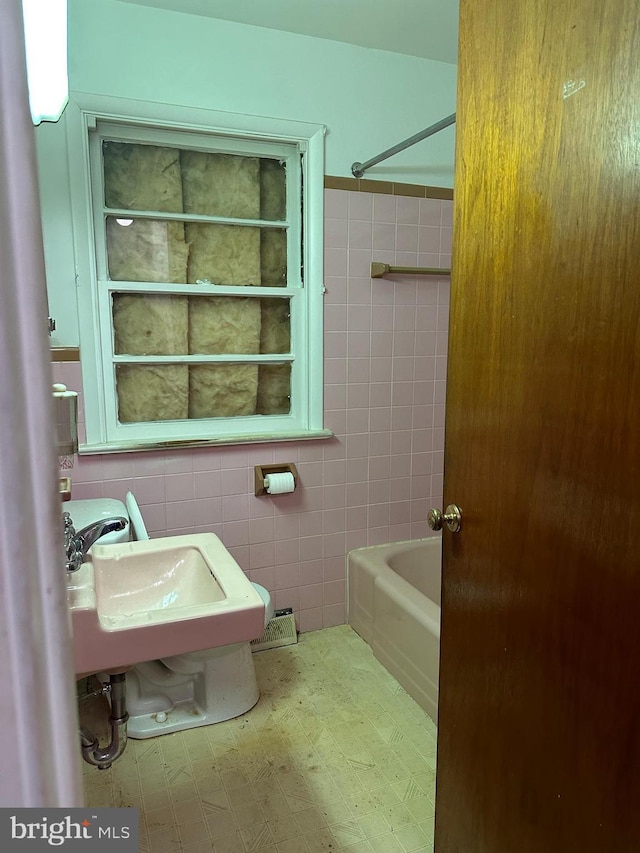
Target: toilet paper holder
point(261, 471)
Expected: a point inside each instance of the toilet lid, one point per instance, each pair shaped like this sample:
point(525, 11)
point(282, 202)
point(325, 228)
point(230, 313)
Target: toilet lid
point(137, 522)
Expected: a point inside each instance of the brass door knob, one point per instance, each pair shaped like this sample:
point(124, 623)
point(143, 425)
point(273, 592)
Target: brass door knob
point(452, 517)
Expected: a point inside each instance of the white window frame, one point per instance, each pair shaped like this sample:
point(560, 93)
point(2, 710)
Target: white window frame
point(88, 113)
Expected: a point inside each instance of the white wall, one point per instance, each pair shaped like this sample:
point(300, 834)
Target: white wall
point(369, 100)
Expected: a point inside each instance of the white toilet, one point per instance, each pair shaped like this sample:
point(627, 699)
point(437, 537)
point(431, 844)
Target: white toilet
point(186, 690)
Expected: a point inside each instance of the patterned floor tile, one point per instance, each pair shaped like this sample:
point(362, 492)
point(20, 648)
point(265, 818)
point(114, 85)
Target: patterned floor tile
point(334, 757)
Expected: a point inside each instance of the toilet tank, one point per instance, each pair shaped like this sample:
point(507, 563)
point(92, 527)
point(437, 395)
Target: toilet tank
point(85, 512)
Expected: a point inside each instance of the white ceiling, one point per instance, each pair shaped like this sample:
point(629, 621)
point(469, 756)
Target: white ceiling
point(424, 28)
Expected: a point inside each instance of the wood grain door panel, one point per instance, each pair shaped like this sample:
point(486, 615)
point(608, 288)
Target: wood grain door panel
point(539, 726)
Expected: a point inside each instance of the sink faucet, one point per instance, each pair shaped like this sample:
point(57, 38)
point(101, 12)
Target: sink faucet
point(77, 544)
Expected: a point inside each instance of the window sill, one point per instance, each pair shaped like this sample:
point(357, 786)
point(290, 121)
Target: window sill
point(136, 447)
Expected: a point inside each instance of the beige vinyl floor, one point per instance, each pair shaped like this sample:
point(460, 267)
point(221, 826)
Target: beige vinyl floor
point(334, 756)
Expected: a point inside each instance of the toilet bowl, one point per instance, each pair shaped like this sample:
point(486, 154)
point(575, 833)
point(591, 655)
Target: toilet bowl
point(187, 690)
point(194, 689)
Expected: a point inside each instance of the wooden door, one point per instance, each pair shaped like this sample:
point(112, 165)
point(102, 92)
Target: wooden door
point(539, 726)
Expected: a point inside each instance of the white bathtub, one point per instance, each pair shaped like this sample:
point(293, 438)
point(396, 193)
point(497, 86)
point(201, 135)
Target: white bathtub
point(394, 605)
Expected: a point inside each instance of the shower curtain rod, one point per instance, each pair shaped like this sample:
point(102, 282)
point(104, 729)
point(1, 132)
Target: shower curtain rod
point(358, 169)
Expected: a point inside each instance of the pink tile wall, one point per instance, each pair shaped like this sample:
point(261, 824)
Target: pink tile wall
point(385, 371)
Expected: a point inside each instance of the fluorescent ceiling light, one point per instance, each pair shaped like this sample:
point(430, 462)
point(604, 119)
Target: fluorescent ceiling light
point(45, 36)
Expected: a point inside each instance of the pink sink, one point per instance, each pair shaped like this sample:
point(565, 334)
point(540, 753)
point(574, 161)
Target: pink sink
point(139, 601)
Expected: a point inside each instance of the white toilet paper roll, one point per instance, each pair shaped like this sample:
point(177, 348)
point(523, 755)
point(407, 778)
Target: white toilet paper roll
point(279, 484)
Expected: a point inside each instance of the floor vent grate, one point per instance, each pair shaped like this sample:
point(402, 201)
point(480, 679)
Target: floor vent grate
point(280, 631)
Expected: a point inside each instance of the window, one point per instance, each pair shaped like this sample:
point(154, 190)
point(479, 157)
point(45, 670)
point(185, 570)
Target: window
point(199, 248)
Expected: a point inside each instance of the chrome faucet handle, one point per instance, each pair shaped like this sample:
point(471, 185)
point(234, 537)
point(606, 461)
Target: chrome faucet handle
point(75, 558)
point(72, 551)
